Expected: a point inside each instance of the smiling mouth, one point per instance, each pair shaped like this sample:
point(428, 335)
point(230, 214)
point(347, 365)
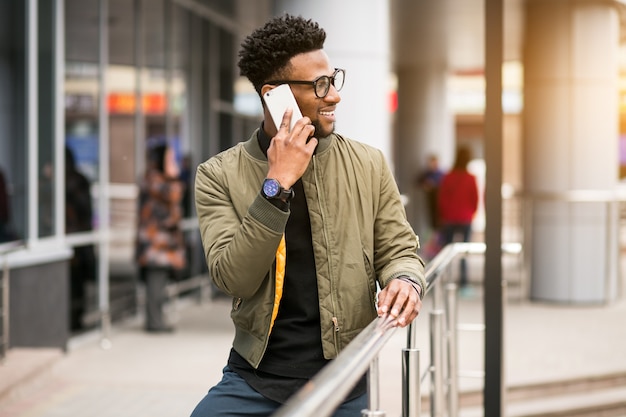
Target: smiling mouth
point(327, 113)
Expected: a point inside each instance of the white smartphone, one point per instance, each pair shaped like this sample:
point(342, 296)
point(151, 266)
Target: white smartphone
point(278, 100)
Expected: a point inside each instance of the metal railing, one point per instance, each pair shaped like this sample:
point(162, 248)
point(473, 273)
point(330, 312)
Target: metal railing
point(5, 250)
point(325, 392)
point(613, 211)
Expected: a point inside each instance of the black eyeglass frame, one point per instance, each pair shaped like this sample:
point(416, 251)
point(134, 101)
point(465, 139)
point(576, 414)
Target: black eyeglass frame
point(331, 80)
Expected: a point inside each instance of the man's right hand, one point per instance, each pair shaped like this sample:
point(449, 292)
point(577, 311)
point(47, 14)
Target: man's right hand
point(289, 153)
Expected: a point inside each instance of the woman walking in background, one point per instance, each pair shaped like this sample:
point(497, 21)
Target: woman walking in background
point(458, 202)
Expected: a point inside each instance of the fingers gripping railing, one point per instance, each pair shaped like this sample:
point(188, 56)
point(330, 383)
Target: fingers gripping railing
point(325, 392)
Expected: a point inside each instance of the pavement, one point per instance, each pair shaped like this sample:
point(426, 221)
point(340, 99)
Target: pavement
point(165, 375)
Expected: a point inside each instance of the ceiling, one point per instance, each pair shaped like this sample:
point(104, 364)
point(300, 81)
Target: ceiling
point(451, 32)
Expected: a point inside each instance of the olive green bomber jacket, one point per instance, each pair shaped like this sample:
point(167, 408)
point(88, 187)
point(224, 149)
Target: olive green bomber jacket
point(359, 228)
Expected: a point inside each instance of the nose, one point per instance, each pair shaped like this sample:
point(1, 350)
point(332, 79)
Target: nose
point(333, 95)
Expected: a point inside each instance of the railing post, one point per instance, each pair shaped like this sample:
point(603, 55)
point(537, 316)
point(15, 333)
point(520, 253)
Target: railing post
point(6, 249)
point(452, 319)
point(438, 301)
point(527, 245)
point(411, 383)
point(5, 308)
point(373, 391)
point(436, 363)
point(320, 396)
point(411, 335)
point(611, 257)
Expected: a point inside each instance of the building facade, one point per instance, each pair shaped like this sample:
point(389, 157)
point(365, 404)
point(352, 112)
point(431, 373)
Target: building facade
point(89, 84)
point(94, 81)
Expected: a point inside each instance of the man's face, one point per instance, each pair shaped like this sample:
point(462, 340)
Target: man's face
point(307, 67)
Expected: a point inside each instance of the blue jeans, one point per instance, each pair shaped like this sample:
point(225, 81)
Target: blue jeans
point(448, 232)
point(233, 397)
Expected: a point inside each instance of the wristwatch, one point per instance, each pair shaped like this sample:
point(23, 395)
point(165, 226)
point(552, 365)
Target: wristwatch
point(273, 190)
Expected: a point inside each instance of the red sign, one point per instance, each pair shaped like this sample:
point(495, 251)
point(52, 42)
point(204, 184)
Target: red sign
point(126, 103)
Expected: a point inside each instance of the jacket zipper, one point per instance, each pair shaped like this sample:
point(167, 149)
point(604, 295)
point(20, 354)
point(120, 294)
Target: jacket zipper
point(332, 289)
point(336, 333)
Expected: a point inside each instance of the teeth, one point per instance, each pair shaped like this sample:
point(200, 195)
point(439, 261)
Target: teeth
point(327, 113)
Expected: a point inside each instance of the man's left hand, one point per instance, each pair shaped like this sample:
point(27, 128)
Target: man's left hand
point(399, 299)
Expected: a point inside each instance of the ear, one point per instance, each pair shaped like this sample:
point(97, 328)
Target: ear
point(266, 88)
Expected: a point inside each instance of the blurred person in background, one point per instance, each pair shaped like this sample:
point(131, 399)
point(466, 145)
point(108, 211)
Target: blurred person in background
point(78, 218)
point(160, 250)
point(429, 181)
point(458, 202)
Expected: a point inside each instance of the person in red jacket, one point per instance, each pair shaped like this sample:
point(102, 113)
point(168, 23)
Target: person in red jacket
point(457, 203)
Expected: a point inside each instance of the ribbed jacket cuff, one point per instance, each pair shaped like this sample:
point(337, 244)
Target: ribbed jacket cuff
point(268, 214)
point(409, 277)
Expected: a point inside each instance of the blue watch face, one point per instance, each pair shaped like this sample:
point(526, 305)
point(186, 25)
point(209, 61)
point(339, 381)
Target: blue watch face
point(271, 188)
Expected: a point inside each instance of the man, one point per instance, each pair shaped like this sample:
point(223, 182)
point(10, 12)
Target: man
point(333, 201)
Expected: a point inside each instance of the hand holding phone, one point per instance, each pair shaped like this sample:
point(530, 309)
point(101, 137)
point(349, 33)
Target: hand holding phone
point(289, 153)
point(278, 100)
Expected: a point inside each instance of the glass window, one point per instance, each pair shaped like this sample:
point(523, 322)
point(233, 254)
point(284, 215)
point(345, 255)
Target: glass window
point(13, 140)
point(123, 103)
point(227, 66)
point(82, 153)
point(154, 77)
point(206, 86)
point(180, 55)
point(82, 95)
point(226, 131)
point(223, 6)
point(46, 118)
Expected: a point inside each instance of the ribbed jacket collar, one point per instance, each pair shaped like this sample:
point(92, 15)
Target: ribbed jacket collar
point(254, 149)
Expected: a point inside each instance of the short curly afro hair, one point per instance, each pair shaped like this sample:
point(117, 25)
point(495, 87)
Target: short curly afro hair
point(266, 52)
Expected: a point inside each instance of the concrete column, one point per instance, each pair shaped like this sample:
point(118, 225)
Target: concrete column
point(358, 41)
point(424, 126)
point(424, 122)
point(571, 143)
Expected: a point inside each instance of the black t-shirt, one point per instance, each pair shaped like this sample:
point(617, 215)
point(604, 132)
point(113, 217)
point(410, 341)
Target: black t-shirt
point(294, 352)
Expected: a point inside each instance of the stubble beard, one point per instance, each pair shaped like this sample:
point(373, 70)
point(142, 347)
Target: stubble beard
point(321, 132)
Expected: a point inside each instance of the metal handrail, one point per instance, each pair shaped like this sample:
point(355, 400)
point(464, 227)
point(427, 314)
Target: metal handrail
point(325, 392)
point(576, 195)
point(322, 394)
point(5, 250)
point(613, 198)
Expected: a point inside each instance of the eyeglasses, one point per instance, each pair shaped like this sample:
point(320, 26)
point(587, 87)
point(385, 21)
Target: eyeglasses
point(321, 85)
